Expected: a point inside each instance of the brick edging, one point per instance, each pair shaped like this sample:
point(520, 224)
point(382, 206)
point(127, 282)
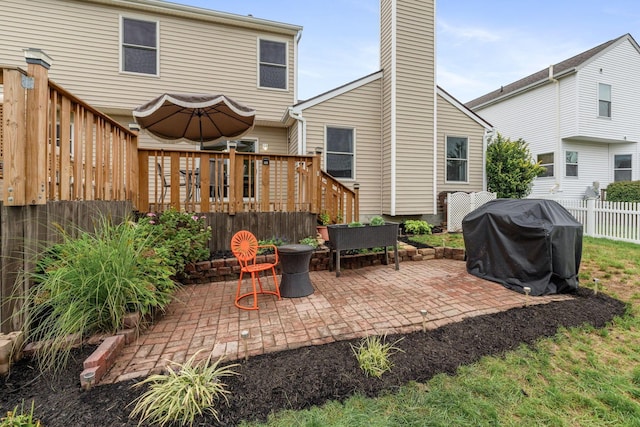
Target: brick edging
point(222, 270)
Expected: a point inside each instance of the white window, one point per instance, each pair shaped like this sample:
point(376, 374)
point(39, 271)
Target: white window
point(571, 163)
point(546, 161)
point(604, 100)
point(622, 167)
point(273, 64)
point(340, 152)
point(457, 158)
point(139, 46)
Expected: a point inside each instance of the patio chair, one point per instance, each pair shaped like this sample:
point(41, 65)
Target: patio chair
point(244, 246)
point(166, 183)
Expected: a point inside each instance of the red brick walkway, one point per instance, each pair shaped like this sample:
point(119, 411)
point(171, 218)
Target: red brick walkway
point(371, 300)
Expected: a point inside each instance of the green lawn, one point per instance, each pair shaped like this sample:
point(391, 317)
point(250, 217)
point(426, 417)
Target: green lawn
point(581, 377)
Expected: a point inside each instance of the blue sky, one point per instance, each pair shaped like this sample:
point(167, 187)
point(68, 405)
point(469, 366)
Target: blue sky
point(481, 45)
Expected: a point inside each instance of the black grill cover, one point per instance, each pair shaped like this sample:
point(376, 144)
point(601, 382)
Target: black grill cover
point(524, 242)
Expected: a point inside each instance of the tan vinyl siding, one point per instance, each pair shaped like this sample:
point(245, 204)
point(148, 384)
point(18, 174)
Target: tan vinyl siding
point(358, 109)
point(386, 50)
point(195, 55)
point(453, 122)
point(415, 107)
point(293, 140)
point(407, 57)
point(274, 136)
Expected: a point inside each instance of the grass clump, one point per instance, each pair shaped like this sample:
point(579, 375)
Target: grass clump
point(19, 418)
point(87, 284)
point(186, 391)
point(374, 355)
point(449, 240)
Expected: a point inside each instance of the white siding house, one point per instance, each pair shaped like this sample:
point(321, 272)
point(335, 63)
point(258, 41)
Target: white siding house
point(580, 117)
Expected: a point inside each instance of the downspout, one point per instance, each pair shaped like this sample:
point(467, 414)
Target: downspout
point(434, 179)
point(295, 67)
point(560, 168)
point(302, 131)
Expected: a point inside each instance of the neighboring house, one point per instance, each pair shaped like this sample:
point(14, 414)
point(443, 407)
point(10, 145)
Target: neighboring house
point(580, 117)
point(397, 135)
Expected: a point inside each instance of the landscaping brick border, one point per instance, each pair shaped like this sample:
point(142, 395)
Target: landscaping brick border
point(228, 269)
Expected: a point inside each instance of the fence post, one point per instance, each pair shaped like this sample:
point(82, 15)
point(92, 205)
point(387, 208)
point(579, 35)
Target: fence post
point(14, 131)
point(38, 64)
point(590, 218)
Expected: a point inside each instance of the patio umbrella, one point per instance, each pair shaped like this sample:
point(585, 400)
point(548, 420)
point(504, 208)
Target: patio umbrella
point(194, 117)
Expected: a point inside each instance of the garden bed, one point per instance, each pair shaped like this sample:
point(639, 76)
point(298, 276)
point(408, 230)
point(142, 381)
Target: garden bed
point(308, 376)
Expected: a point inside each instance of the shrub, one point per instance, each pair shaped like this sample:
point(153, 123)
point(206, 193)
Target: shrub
point(181, 238)
point(510, 168)
point(275, 241)
point(624, 191)
point(311, 241)
point(355, 224)
point(417, 226)
point(20, 418)
point(87, 284)
point(184, 392)
point(376, 220)
point(373, 355)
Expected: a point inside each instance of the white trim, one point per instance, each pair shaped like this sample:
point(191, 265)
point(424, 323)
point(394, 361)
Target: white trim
point(286, 65)
point(325, 151)
point(466, 111)
point(393, 107)
point(446, 158)
point(436, 90)
point(610, 116)
point(337, 91)
point(121, 44)
point(202, 14)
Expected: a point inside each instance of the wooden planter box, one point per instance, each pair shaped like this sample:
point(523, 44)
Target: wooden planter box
point(342, 237)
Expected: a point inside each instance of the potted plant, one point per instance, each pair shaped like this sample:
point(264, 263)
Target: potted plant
point(324, 219)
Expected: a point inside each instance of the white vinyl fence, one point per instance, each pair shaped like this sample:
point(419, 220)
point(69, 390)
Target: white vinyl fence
point(612, 220)
point(460, 204)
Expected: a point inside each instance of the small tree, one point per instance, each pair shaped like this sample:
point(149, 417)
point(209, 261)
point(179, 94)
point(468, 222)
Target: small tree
point(510, 168)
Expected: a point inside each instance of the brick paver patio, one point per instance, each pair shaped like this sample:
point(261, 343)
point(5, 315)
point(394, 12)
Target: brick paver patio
point(371, 300)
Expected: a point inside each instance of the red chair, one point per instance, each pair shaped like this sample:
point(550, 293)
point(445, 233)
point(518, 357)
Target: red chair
point(244, 246)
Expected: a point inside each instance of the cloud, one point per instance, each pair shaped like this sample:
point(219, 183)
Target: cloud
point(464, 34)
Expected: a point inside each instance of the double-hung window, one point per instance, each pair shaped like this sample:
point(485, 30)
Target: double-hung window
point(546, 161)
point(604, 100)
point(571, 163)
point(273, 64)
point(622, 167)
point(139, 46)
point(340, 152)
point(457, 158)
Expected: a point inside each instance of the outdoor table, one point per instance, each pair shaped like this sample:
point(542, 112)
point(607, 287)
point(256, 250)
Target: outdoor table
point(294, 260)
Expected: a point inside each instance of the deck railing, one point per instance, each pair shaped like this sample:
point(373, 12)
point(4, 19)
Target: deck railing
point(56, 147)
point(231, 182)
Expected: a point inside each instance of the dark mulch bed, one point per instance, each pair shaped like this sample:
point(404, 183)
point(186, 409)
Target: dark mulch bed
point(312, 375)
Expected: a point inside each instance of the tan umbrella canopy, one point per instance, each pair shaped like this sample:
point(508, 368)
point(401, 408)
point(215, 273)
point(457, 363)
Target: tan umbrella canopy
point(194, 117)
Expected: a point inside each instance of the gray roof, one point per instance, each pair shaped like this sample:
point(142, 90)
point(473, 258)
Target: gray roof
point(563, 67)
